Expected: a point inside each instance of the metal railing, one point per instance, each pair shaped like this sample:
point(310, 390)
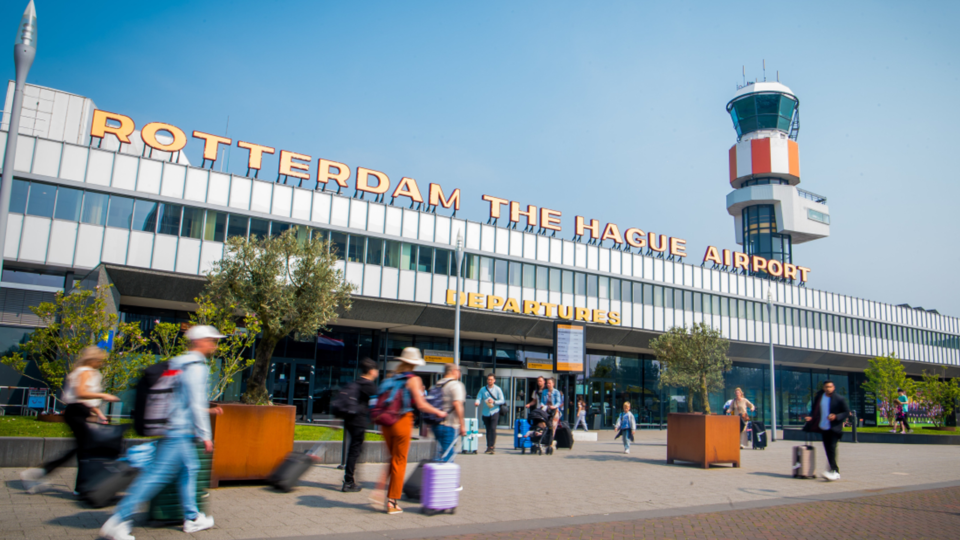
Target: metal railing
point(812, 196)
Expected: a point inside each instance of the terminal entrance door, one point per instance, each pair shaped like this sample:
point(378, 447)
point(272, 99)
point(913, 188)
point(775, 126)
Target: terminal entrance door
point(291, 383)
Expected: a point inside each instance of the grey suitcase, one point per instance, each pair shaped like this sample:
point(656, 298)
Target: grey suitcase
point(804, 461)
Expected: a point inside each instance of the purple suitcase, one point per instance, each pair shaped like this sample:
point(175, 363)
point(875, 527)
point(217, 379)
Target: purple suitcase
point(440, 491)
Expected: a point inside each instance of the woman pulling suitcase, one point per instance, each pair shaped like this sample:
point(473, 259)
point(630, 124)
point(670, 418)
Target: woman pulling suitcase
point(739, 406)
point(83, 395)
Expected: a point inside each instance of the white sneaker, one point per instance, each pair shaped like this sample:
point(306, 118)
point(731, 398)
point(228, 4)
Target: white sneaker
point(114, 529)
point(830, 476)
point(201, 523)
point(33, 480)
point(626, 450)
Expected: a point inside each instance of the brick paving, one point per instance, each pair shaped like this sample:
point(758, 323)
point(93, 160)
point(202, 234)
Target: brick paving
point(917, 514)
point(593, 483)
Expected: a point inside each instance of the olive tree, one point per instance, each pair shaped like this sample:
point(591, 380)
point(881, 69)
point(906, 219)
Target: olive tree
point(695, 359)
point(884, 377)
point(289, 284)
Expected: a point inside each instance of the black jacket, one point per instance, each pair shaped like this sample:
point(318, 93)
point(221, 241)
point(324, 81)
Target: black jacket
point(838, 407)
point(365, 389)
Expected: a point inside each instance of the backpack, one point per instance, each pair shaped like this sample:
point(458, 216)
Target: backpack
point(389, 405)
point(347, 403)
point(155, 395)
point(435, 399)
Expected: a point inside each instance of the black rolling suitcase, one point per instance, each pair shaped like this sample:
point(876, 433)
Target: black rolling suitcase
point(104, 479)
point(564, 436)
point(288, 473)
point(759, 436)
point(413, 484)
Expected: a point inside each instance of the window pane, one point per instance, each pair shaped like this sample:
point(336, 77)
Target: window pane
point(68, 204)
point(697, 302)
point(627, 289)
point(580, 283)
point(338, 243)
point(302, 234)
point(615, 289)
point(237, 226)
point(391, 254)
point(529, 276)
point(567, 282)
point(216, 227)
point(169, 219)
point(145, 216)
point(592, 286)
point(258, 227)
point(471, 267)
point(41, 200)
point(716, 304)
point(94, 208)
point(408, 257)
point(425, 260)
point(555, 280)
point(18, 196)
point(658, 296)
point(355, 249)
point(516, 274)
point(648, 295)
point(768, 104)
point(192, 223)
point(121, 212)
point(441, 262)
point(486, 269)
point(604, 290)
point(374, 251)
point(543, 277)
point(668, 298)
point(277, 228)
point(500, 271)
point(688, 301)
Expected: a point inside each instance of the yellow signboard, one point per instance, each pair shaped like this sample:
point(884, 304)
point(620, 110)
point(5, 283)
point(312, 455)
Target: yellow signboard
point(533, 364)
point(438, 357)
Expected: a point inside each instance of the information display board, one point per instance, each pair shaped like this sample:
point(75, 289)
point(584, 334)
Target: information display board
point(438, 357)
point(569, 347)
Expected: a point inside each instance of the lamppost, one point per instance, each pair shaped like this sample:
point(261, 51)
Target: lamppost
point(773, 386)
point(24, 50)
point(456, 316)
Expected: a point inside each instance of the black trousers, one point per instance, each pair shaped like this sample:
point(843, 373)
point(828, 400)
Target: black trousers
point(75, 416)
point(830, 440)
point(490, 422)
point(356, 432)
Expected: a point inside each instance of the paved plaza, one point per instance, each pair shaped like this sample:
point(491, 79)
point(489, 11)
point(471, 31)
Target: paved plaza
point(592, 491)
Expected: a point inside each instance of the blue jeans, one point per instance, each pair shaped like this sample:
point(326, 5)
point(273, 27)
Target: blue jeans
point(625, 433)
point(176, 459)
point(446, 439)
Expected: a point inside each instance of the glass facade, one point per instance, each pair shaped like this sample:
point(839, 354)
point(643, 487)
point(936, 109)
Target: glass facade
point(762, 111)
point(760, 235)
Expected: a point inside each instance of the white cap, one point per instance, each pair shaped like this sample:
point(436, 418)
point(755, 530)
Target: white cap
point(203, 332)
point(411, 355)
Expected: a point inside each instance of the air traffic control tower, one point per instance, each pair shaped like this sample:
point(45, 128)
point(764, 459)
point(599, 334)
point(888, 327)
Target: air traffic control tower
point(771, 214)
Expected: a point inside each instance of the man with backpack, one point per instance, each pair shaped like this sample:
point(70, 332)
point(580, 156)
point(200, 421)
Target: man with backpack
point(353, 406)
point(187, 418)
point(450, 393)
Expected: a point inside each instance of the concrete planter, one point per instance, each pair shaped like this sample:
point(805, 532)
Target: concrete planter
point(703, 439)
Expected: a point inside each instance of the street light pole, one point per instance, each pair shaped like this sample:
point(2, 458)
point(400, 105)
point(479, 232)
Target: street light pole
point(24, 50)
point(456, 316)
point(773, 386)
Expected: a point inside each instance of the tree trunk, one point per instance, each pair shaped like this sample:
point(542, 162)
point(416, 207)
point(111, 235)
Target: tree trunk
point(704, 396)
point(256, 393)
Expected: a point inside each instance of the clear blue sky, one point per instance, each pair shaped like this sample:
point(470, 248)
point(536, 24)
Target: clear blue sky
point(610, 110)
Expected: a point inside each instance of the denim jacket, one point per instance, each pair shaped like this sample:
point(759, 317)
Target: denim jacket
point(555, 397)
point(191, 416)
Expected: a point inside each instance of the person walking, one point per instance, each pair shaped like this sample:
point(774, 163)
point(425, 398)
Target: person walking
point(491, 396)
point(625, 426)
point(176, 454)
point(738, 406)
point(581, 415)
point(454, 395)
point(830, 409)
point(901, 422)
point(397, 435)
point(534, 400)
point(355, 425)
point(552, 400)
point(83, 395)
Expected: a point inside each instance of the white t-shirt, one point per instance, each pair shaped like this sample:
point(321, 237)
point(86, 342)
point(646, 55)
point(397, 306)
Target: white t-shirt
point(73, 383)
point(825, 412)
point(452, 391)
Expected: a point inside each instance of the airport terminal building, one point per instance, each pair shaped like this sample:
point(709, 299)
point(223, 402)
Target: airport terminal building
point(89, 206)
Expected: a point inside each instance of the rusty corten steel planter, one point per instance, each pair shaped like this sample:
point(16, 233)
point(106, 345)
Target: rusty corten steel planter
point(703, 439)
point(250, 440)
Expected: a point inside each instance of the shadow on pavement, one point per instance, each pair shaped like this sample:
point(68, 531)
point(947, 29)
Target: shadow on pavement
point(317, 501)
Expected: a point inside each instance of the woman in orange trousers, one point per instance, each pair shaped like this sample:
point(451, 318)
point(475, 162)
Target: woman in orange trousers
point(397, 435)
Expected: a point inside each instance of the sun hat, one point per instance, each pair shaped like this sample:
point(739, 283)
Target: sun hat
point(411, 355)
point(203, 332)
